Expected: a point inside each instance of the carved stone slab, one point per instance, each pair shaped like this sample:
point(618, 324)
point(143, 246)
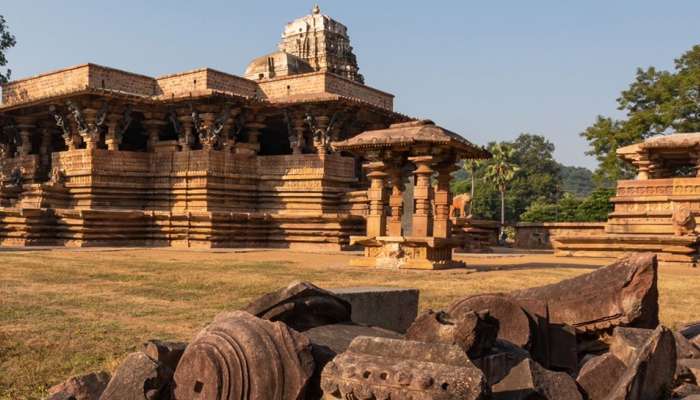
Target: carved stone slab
point(381, 368)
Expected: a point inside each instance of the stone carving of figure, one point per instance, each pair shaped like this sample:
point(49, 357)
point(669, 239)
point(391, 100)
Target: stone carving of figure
point(460, 205)
point(683, 222)
point(321, 137)
point(16, 177)
point(57, 177)
point(63, 125)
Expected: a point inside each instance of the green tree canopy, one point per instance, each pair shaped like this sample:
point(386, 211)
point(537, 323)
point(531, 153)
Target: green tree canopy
point(7, 41)
point(657, 102)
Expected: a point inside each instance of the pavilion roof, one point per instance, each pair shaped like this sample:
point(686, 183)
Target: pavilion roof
point(411, 133)
point(662, 145)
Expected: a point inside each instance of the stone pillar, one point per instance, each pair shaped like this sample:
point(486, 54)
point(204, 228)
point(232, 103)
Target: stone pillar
point(186, 138)
point(442, 226)
point(207, 140)
point(154, 125)
point(253, 128)
point(396, 202)
point(45, 147)
point(26, 127)
point(319, 136)
point(91, 135)
point(298, 127)
point(376, 219)
point(113, 138)
point(229, 143)
point(422, 194)
point(643, 165)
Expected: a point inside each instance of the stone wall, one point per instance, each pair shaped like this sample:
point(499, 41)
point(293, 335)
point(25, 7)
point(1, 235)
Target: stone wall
point(537, 235)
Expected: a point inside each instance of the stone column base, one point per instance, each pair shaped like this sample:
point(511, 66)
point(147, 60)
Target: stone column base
point(400, 252)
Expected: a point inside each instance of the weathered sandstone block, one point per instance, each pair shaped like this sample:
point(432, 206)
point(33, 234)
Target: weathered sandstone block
point(650, 372)
point(599, 375)
point(474, 333)
point(138, 377)
point(83, 387)
point(529, 380)
point(388, 308)
point(302, 306)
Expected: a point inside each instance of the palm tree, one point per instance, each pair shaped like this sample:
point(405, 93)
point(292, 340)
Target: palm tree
point(471, 166)
point(500, 172)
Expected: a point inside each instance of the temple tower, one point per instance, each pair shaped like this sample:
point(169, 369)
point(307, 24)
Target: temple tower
point(323, 43)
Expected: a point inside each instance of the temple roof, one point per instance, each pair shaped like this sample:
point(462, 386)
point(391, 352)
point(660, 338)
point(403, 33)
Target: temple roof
point(411, 133)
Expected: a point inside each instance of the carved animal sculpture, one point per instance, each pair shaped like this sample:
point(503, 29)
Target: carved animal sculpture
point(683, 222)
point(460, 205)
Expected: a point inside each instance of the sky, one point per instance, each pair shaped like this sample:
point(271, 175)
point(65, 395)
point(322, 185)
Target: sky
point(487, 70)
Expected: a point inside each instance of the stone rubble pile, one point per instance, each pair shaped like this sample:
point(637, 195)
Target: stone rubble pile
point(596, 337)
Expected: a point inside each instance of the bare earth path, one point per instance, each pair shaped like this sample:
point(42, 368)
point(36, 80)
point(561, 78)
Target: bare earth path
point(65, 312)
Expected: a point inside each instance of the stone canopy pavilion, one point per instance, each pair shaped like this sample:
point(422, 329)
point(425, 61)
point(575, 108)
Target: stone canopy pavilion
point(655, 212)
point(419, 150)
point(95, 156)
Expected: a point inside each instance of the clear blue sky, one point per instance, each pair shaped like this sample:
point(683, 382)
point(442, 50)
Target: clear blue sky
point(488, 70)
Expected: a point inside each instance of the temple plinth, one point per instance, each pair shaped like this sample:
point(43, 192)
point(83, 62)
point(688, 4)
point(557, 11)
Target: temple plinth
point(428, 150)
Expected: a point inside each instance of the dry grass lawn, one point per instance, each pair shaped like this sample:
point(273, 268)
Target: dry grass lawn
point(66, 312)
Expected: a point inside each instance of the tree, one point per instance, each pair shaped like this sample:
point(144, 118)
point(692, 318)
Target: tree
point(501, 171)
point(576, 180)
point(471, 166)
point(656, 103)
point(7, 41)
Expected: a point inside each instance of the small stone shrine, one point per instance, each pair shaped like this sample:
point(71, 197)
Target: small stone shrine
point(655, 212)
point(419, 150)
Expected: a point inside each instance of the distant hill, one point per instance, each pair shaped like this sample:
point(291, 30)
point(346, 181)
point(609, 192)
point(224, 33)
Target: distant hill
point(577, 180)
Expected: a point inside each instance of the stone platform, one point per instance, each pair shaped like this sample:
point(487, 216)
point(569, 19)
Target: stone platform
point(406, 252)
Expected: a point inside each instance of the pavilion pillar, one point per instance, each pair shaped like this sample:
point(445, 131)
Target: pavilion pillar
point(396, 202)
point(298, 128)
point(253, 131)
point(113, 138)
point(319, 136)
point(229, 142)
point(422, 194)
point(26, 127)
point(442, 226)
point(154, 124)
point(91, 133)
point(186, 138)
point(45, 147)
point(644, 166)
point(376, 194)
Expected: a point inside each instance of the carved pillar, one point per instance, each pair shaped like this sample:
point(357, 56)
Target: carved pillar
point(90, 135)
point(376, 219)
point(45, 148)
point(253, 128)
point(154, 125)
point(113, 138)
point(319, 136)
point(26, 127)
point(208, 140)
point(643, 165)
point(442, 225)
point(229, 142)
point(395, 202)
point(423, 194)
point(298, 128)
point(186, 139)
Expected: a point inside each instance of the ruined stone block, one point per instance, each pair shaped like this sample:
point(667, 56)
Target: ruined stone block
point(242, 357)
point(622, 294)
point(692, 366)
point(380, 368)
point(302, 306)
point(650, 372)
point(599, 375)
point(83, 387)
point(164, 352)
point(529, 380)
point(474, 333)
point(388, 308)
point(515, 325)
point(138, 377)
point(501, 359)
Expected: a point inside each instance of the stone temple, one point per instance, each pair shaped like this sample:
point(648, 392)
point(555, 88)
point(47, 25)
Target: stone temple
point(95, 156)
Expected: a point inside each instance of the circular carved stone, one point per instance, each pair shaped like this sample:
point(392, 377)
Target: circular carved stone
point(240, 356)
point(514, 323)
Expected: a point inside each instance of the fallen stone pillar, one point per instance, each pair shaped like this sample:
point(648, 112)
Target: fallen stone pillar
point(241, 357)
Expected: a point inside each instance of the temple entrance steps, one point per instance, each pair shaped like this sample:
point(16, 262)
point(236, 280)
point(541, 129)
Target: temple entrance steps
point(646, 223)
point(671, 249)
